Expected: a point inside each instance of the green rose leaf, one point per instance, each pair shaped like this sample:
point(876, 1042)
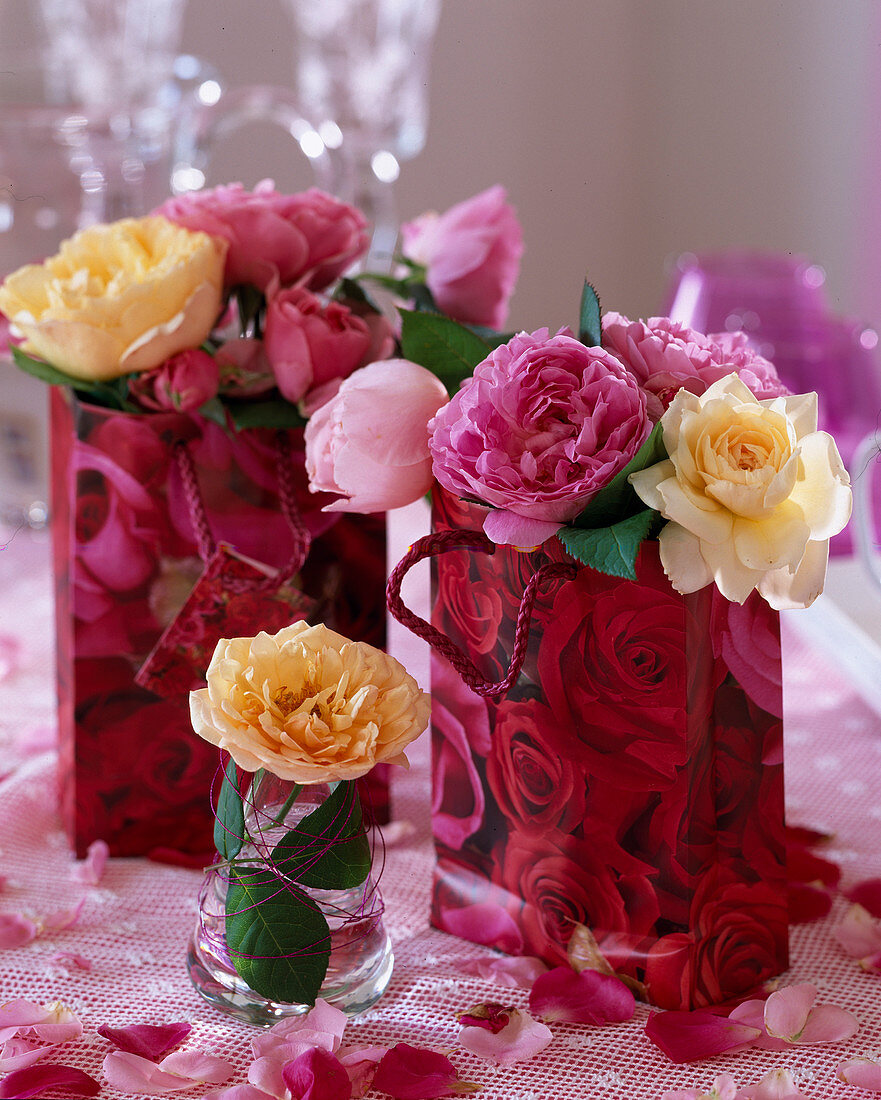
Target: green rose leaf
point(618, 499)
point(613, 549)
point(277, 938)
point(110, 394)
point(447, 349)
point(328, 849)
point(264, 414)
point(590, 327)
point(229, 817)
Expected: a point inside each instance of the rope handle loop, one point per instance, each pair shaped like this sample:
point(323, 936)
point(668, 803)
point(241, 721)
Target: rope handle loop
point(440, 542)
point(205, 542)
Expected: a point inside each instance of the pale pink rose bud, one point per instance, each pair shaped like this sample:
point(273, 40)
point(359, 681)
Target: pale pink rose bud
point(182, 383)
point(309, 343)
point(369, 442)
point(472, 256)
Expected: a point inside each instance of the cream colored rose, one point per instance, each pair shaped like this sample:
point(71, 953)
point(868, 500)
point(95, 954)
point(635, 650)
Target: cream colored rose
point(119, 298)
point(753, 492)
point(308, 705)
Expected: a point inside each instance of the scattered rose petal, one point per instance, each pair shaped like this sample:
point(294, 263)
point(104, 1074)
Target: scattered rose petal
point(179, 1071)
point(147, 1040)
point(361, 1067)
point(90, 869)
point(806, 836)
point(690, 1036)
point(723, 1088)
point(808, 902)
point(17, 1053)
point(775, 1085)
point(16, 930)
point(68, 960)
point(322, 1026)
point(789, 1018)
point(511, 971)
point(35, 1080)
point(60, 919)
point(583, 951)
point(805, 866)
point(239, 1092)
point(867, 894)
point(53, 1023)
point(512, 1036)
point(872, 963)
point(587, 997)
point(413, 1073)
point(858, 933)
point(489, 1016)
point(862, 1072)
point(317, 1075)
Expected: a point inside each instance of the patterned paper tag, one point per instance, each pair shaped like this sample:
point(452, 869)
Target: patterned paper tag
point(230, 600)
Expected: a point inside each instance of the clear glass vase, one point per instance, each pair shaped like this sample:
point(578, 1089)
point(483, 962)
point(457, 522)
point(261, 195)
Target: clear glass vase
point(359, 951)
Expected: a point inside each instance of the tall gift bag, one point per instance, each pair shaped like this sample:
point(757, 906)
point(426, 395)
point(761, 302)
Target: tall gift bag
point(614, 762)
point(168, 533)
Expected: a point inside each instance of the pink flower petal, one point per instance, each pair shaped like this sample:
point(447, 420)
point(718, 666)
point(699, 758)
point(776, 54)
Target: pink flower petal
point(18, 1053)
point(518, 1041)
point(775, 1085)
point(16, 930)
point(323, 1025)
point(35, 1080)
point(90, 870)
point(807, 902)
point(828, 1024)
point(317, 1075)
point(786, 1011)
point(507, 528)
point(690, 1036)
point(858, 933)
point(361, 1067)
point(587, 997)
point(413, 1073)
point(239, 1092)
point(131, 1073)
point(67, 960)
point(147, 1040)
point(752, 1014)
point(59, 1024)
point(513, 972)
point(862, 1072)
point(868, 894)
point(872, 963)
point(723, 1088)
point(60, 919)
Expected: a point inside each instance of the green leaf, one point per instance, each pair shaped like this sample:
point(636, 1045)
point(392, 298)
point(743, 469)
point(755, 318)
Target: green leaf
point(229, 817)
point(448, 349)
point(277, 938)
point(618, 499)
point(613, 549)
point(264, 414)
point(214, 410)
point(328, 849)
point(104, 393)
point(590, 328)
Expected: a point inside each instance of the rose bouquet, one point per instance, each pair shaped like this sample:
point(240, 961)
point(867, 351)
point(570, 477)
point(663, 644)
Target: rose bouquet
point(290, 908)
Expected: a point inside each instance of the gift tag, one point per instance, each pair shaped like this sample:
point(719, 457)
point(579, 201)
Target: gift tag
point(230, 600)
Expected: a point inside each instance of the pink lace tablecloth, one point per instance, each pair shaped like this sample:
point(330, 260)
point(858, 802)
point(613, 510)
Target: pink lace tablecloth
point(135, 924)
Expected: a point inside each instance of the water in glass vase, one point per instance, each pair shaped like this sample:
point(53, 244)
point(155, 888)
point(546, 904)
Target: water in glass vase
point(282, 906)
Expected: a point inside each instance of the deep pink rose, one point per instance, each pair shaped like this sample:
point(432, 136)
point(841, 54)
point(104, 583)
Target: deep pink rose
point(309, 343)
point(181, 384)
point(542, 425)
point(244, 368)
point(308, 238)
point(370, 441)
point(747, 636)
point(666, 356)
point(472, 256)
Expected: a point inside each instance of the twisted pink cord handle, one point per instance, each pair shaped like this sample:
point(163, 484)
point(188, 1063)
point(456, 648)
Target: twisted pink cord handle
point(440, 542)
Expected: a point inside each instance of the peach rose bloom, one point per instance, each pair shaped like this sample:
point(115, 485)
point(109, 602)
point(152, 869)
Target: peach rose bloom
point(308, 705)
point(118, 299)
point(753, 493)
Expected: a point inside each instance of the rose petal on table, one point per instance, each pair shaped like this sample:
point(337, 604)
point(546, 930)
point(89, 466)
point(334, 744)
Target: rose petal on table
point(587, 997)
point(17, 1053)
point(323, 1025)
point(513, 972)
point(59, 919)
point(723, 1088)
point(67, 960)
point(53, 1023)
point(807, 836)
point(808, 902)
point(859, 934)
point(16, 930)
point(862, 1072)
point(867, 894)
point(583, 951)
point(35, 1080)
point(520, 1039)
point(148, 1040)
point(361, 1067)
point(777, 1084)
point(317, 1075)
point(872, 963)
point(786, 1011)
point(414, 1073)
point(828, 1024)
point(805, 866)
point(90, 869)
point(690, 1036)
point(134, 1074)
point(239, 1092)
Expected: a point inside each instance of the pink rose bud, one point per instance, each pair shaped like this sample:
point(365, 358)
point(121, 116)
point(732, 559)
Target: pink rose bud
point(472, 256)
point(309, 238)
point(309, 343)
point(369, 442)
point(182, 383)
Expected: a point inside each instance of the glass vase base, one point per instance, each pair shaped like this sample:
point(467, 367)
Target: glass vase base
point(353, 984)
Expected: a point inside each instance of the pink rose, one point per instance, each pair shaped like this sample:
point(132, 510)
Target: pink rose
point(472, 256)
point(182, 383)
point(666, 356)
point(370, 441)
point(244, 368)
point(308, 238)
point(309, 343)
point(542, 425)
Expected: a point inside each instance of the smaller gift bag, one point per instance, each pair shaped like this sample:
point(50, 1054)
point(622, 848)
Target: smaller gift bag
point(169, 533)
point(606, 753)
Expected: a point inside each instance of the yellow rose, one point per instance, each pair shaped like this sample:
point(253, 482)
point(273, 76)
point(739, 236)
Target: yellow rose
point(308, 705)
point(118, 298)
point(753, 492)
